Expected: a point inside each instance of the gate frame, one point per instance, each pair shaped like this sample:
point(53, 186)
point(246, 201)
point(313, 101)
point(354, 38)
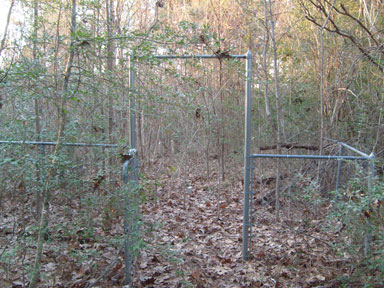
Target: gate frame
point(247, 128)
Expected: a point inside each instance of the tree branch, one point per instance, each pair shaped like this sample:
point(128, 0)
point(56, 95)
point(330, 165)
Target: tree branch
point(2, 45)
point(336, 29)
point(346, 13)
point(107, 271)
point(290, 146)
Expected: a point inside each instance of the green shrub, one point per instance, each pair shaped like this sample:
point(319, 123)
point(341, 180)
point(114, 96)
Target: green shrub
point(361, 210)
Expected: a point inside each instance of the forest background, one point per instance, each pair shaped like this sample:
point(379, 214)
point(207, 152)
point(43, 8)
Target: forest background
point(318, 75)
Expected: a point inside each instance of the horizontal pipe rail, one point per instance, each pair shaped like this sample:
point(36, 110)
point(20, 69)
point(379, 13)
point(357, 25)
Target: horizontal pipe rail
point(54, 143)
point(320, 157)
point(194, 56)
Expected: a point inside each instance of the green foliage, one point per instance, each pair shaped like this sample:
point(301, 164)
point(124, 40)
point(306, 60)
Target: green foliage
point(362, 212)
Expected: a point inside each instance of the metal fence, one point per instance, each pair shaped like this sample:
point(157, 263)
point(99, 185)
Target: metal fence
point(248, 157)
point(339, 158)
point(130, 167)
point(247, 106)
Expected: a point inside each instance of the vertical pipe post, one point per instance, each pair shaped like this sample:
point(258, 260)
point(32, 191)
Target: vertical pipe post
point(133, 145)
point(251, 185)
point(132, 111)
point(44, 172)
point(339, 162)
point(371, 172)
point(247, 153)
point(131, 164)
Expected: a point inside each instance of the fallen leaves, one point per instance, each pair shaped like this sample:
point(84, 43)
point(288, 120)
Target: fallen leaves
point(194, 246)
point(187, 245)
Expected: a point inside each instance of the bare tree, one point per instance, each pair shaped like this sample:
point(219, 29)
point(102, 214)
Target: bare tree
point(322, 121)
point(265, 70)
point(278, 109)
point(332, 26)
point(46, 193)
point(111, 50)
point(36, 101)
point(3, 40)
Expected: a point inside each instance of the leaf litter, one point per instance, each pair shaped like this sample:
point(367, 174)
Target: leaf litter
point(189, 243)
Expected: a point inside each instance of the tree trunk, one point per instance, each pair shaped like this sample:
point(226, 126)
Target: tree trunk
point(266, 73)
point(111, 49)
point(46, 193)
point(2, 44)
point(36, 103)
point(278, 110)
point(222, 128)
point(322, 122)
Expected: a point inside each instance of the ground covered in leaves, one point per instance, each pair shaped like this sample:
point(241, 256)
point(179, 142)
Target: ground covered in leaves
point(194, 239)
point(192, 229)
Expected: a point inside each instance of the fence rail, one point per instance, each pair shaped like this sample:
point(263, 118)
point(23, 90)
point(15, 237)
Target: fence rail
point(340, 158)
point(317, 157)
point(54, 143)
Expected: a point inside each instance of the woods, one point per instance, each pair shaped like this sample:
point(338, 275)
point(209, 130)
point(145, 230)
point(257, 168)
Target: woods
point(122, 166)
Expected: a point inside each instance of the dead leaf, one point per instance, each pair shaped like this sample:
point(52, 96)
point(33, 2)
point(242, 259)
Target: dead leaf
point(147, 280)
point(16, 284)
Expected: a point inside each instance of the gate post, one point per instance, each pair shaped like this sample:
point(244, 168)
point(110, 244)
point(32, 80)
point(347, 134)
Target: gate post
point(132, 111)
point(339, 163)
point(371, 171)
point(247, 153)
point(130, 172)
